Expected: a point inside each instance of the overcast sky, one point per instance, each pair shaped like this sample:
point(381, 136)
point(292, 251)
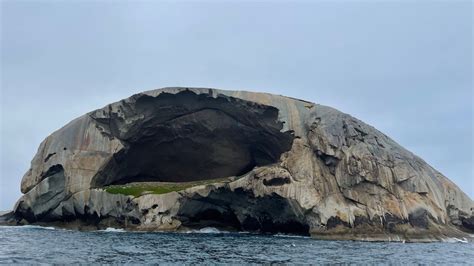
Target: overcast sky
point(405, 68)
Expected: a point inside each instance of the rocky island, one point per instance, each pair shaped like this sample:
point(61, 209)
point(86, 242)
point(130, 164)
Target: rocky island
point(181, 158)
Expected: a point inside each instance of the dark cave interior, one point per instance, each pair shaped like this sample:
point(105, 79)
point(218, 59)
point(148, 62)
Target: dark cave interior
point(188, 137)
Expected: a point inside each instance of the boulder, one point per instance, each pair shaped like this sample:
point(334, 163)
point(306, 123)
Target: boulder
point(260, 162)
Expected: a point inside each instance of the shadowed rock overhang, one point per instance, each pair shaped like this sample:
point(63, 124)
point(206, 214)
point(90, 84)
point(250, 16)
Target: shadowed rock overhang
point(187, 137)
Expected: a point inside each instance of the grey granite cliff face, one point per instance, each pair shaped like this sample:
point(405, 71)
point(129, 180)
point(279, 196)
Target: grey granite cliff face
point(266, 163)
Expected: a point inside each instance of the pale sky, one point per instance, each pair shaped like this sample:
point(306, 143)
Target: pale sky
point(404, 68)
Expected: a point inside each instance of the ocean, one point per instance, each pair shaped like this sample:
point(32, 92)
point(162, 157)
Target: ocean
point(35, 244)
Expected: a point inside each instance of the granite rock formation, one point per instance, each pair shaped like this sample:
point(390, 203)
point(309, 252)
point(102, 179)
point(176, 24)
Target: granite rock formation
point(282, 165)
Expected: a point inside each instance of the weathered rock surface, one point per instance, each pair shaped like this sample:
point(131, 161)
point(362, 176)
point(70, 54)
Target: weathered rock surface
point(293, 167)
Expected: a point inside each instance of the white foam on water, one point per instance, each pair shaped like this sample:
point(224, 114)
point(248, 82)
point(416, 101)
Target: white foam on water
point(36, 227)
point(113, 230)
point(454, 240)
point(207, 230)
point(291, 236)
point(463, 240)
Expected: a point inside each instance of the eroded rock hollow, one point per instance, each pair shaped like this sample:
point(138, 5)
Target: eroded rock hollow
point(181, 158)
point(186, 137)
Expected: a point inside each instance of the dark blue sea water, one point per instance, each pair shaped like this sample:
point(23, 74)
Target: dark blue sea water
point(33, 244)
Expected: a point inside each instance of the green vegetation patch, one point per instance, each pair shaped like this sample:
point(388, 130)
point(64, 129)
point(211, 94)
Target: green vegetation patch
point(143, 188)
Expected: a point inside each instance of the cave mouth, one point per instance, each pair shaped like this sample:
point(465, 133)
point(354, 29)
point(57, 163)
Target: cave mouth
point(240, 210)
point(187, 137)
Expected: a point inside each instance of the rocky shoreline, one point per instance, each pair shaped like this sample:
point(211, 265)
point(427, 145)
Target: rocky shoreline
point(452, 236)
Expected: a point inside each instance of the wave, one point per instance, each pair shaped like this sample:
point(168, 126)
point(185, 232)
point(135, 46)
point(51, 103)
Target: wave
point(290, 236)
point(455, 240)
point(207, 230)
point(113, 230)
point(30, 227)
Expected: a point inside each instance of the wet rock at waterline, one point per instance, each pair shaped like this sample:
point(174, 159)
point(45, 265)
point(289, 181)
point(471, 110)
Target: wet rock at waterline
point(180, 158)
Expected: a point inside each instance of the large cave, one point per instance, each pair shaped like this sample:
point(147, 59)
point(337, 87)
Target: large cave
point(187, 137)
